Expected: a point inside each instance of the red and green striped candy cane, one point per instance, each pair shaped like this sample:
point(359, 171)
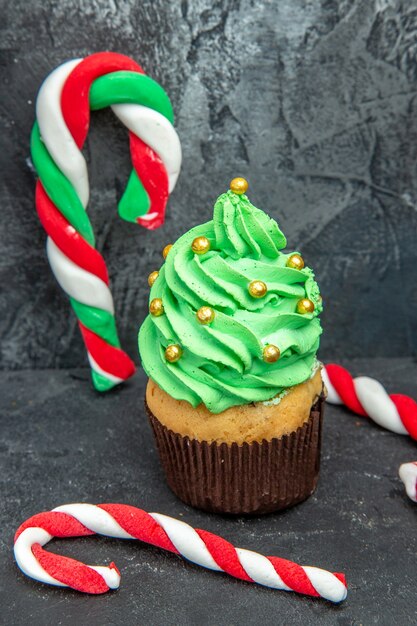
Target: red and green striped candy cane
point(63, 116)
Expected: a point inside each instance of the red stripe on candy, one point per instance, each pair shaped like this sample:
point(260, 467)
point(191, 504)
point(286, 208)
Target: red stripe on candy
point(68, 240)
point(153, 175)
point(140, 525)
point(56, 524)
point(75, 93)
point(342, 381)
point(341, 577)
point(407, 409)
point(293, 575)
point(70, 572)
point(111, 359)
point(224, 554)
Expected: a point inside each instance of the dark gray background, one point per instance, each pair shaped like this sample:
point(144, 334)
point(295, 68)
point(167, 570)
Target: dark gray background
point(315, 102)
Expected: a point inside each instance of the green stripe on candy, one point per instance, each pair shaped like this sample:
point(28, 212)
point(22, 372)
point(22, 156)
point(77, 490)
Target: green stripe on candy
point(130, 88)
point(100, 322)
point(103, 324)
point(135, 200)
point(101, 383)
point(59, 188)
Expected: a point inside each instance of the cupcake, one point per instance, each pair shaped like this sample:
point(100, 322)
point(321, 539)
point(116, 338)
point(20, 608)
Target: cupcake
point(235, 394)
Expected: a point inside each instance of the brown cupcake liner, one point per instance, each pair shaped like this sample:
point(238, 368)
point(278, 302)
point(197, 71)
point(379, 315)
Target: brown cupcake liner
point(251, 478)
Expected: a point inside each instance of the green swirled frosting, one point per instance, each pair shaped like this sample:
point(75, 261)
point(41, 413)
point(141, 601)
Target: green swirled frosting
point(222, 362)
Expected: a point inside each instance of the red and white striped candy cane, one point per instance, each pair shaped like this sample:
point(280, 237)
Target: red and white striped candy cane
point(63, 116)
point(128, 522)
point(366, 396)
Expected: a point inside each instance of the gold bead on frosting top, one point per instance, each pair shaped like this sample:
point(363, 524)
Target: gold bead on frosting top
point(152, 278)
point(305, 305)
point(271, 353)
point(166, 250)
point(296, 261)
point(200, 245)
point(239, 185)
point(257, 289)
point(205, 315)
point(156, 308)
point(173, 353)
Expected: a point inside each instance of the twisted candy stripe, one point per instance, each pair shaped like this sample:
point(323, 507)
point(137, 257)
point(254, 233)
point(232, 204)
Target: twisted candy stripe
point(127, 522)
point(63, 115)
point(366, 396)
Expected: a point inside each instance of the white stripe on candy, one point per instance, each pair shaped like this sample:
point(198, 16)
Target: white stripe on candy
point(157, 132)
point(408, 474)
point(332, 395)
point(95, 519)
point(55, 133)
point(26, 559)
point(378, 404)
point(77, 282)
point(187, 541)
point(110, 575)
point(260, 569)
point(326, 585)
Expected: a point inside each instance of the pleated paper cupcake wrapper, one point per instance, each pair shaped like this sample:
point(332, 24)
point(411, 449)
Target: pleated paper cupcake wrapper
point(251, 478)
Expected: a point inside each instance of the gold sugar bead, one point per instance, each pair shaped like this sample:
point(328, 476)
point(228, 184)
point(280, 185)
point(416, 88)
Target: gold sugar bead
point(152, 278)
point(239, 185)
point(173, 353)
point(271, 353)
point(200, 245)
point(257, 289)
point(205, 315)
point(166, 250)
point(305, 306)
point(296, 261)
point(156, 308)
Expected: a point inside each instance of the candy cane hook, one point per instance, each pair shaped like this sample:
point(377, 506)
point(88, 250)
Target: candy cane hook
point(366, 396)
point(128, 522)
point(63, 115)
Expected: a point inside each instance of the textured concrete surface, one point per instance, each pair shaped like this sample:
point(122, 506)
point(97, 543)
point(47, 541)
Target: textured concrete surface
point(62, 443)
point(315, 102)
